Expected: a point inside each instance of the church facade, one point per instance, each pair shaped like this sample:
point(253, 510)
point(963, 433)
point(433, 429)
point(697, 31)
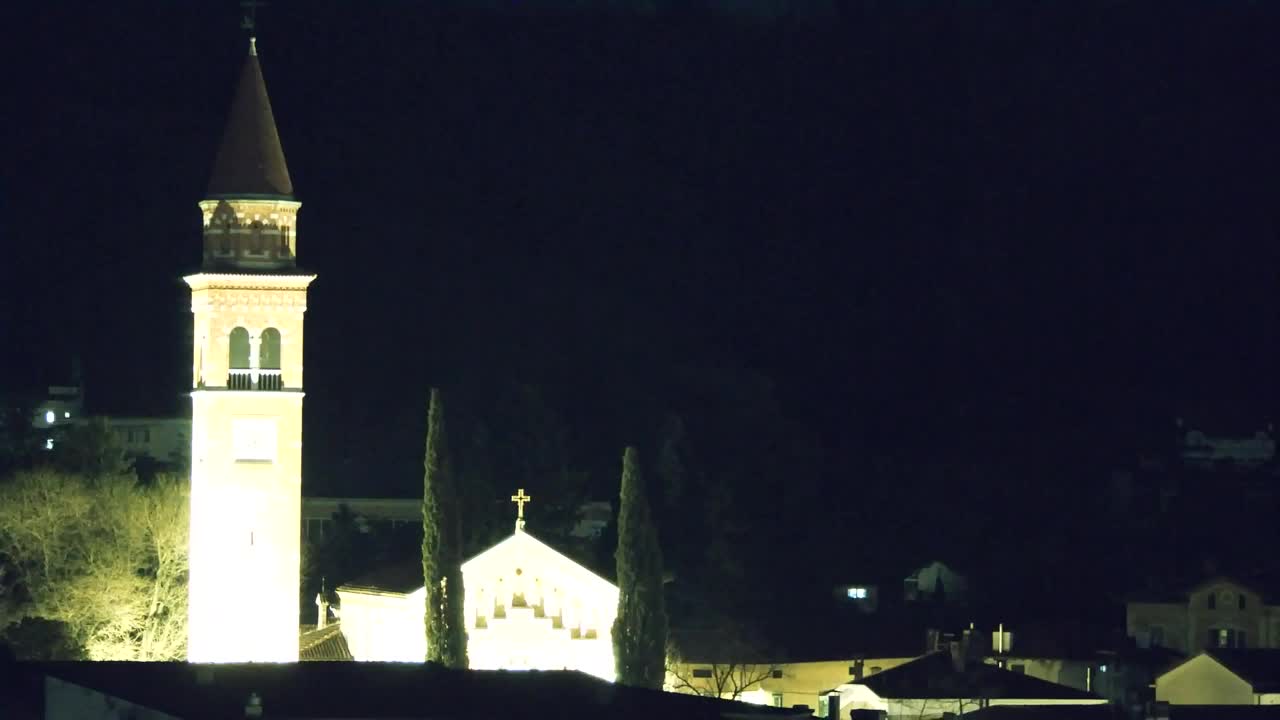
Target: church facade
point(528, 607)
point(247, 304)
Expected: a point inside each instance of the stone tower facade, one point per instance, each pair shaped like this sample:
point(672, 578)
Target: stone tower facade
point(246, 457)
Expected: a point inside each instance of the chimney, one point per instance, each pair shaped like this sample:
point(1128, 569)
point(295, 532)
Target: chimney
point(322, 611)
point(857, 670)
point(253, 706)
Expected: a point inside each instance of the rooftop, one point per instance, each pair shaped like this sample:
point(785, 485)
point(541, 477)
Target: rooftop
point(379, 690)
point(250, 162)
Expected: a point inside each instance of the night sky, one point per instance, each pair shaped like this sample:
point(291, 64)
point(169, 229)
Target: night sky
point(961, 237)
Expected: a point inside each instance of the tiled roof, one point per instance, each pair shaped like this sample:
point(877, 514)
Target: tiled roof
point(406, 691)
point(250, 161)
point(935, 676)
point(406, 577)
point(323, 644)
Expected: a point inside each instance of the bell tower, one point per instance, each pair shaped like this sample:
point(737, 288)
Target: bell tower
point(248, 302)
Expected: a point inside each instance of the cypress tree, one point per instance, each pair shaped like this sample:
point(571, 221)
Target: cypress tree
point(640, 630)
point(442, 549)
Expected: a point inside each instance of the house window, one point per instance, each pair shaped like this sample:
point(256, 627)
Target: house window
point(1227, 638)
point(1241, 600)
point(702, 672)
point(1020, 669)
point(1157, 636)
point(1213, 601)
point(777, 699)
point(856, 593)
point(875, 669)
point(776, 674)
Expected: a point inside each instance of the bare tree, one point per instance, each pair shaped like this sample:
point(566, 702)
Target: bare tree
point(106, 558)
point(732, 666)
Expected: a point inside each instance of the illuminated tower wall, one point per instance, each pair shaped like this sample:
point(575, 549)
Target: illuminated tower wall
point(246, 457)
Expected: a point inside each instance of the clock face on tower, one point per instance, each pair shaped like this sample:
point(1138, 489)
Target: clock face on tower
point(253, 439)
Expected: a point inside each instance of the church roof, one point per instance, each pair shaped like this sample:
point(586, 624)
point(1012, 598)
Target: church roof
point(406, 577)
point(250, 162)
point(324, 644)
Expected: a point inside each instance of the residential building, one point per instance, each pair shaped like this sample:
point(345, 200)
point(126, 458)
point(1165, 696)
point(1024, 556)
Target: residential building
point(1219, 613)
point(944, 683)
point(318, 512)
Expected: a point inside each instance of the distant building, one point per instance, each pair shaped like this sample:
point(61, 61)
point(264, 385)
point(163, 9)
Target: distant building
point(861, 596)
point(1219, 613)
point(318, 512)
point(935, 582)
point(166, 441)
point(159, 442)
point(1240, 451)
point(943, 684)
point(60, 409)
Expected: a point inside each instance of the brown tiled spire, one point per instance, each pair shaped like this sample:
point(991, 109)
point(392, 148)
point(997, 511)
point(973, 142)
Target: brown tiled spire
point(250, 162)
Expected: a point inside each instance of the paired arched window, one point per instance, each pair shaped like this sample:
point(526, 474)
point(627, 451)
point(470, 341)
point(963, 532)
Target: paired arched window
point(243, 374)
point(269, 350)
point(239, 349)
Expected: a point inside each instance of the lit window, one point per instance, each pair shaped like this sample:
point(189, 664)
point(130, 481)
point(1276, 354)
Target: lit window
point(66, 414)
point(48, 443)
point(857, 593)
point(50, 417)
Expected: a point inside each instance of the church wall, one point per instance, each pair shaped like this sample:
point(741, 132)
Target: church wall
point(384, 627)
point(527, 607)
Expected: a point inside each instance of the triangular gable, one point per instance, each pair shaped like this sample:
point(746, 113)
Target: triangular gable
point(1203, 679)
point(522, 547)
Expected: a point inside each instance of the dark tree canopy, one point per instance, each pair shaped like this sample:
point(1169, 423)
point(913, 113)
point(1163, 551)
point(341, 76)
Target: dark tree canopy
point(640, 630)
point(442, 549)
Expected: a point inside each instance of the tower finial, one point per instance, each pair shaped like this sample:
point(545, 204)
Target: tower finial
point(250, 22)
point(520, 499)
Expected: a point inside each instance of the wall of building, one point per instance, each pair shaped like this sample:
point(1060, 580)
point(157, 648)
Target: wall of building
point(802, 683)
point(384, 627)
point(1170, 618)
point(163, 439)
point(1203, 681)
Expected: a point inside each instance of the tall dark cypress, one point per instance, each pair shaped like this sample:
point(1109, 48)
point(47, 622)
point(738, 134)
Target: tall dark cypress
point(442, 549)
point(640, 630)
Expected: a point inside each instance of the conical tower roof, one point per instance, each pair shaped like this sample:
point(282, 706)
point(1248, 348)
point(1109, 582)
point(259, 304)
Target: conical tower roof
point(250, 162)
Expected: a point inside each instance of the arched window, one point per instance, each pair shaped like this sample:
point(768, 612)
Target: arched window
point(239, 358)
point(269, 350)
point(238, 361)
point(255, 238)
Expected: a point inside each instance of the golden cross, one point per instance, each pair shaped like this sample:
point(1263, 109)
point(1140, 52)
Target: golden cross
point(520, 499)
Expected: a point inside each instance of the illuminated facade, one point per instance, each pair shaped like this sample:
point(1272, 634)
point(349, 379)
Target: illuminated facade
point(527, 606)
point(246, 456)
